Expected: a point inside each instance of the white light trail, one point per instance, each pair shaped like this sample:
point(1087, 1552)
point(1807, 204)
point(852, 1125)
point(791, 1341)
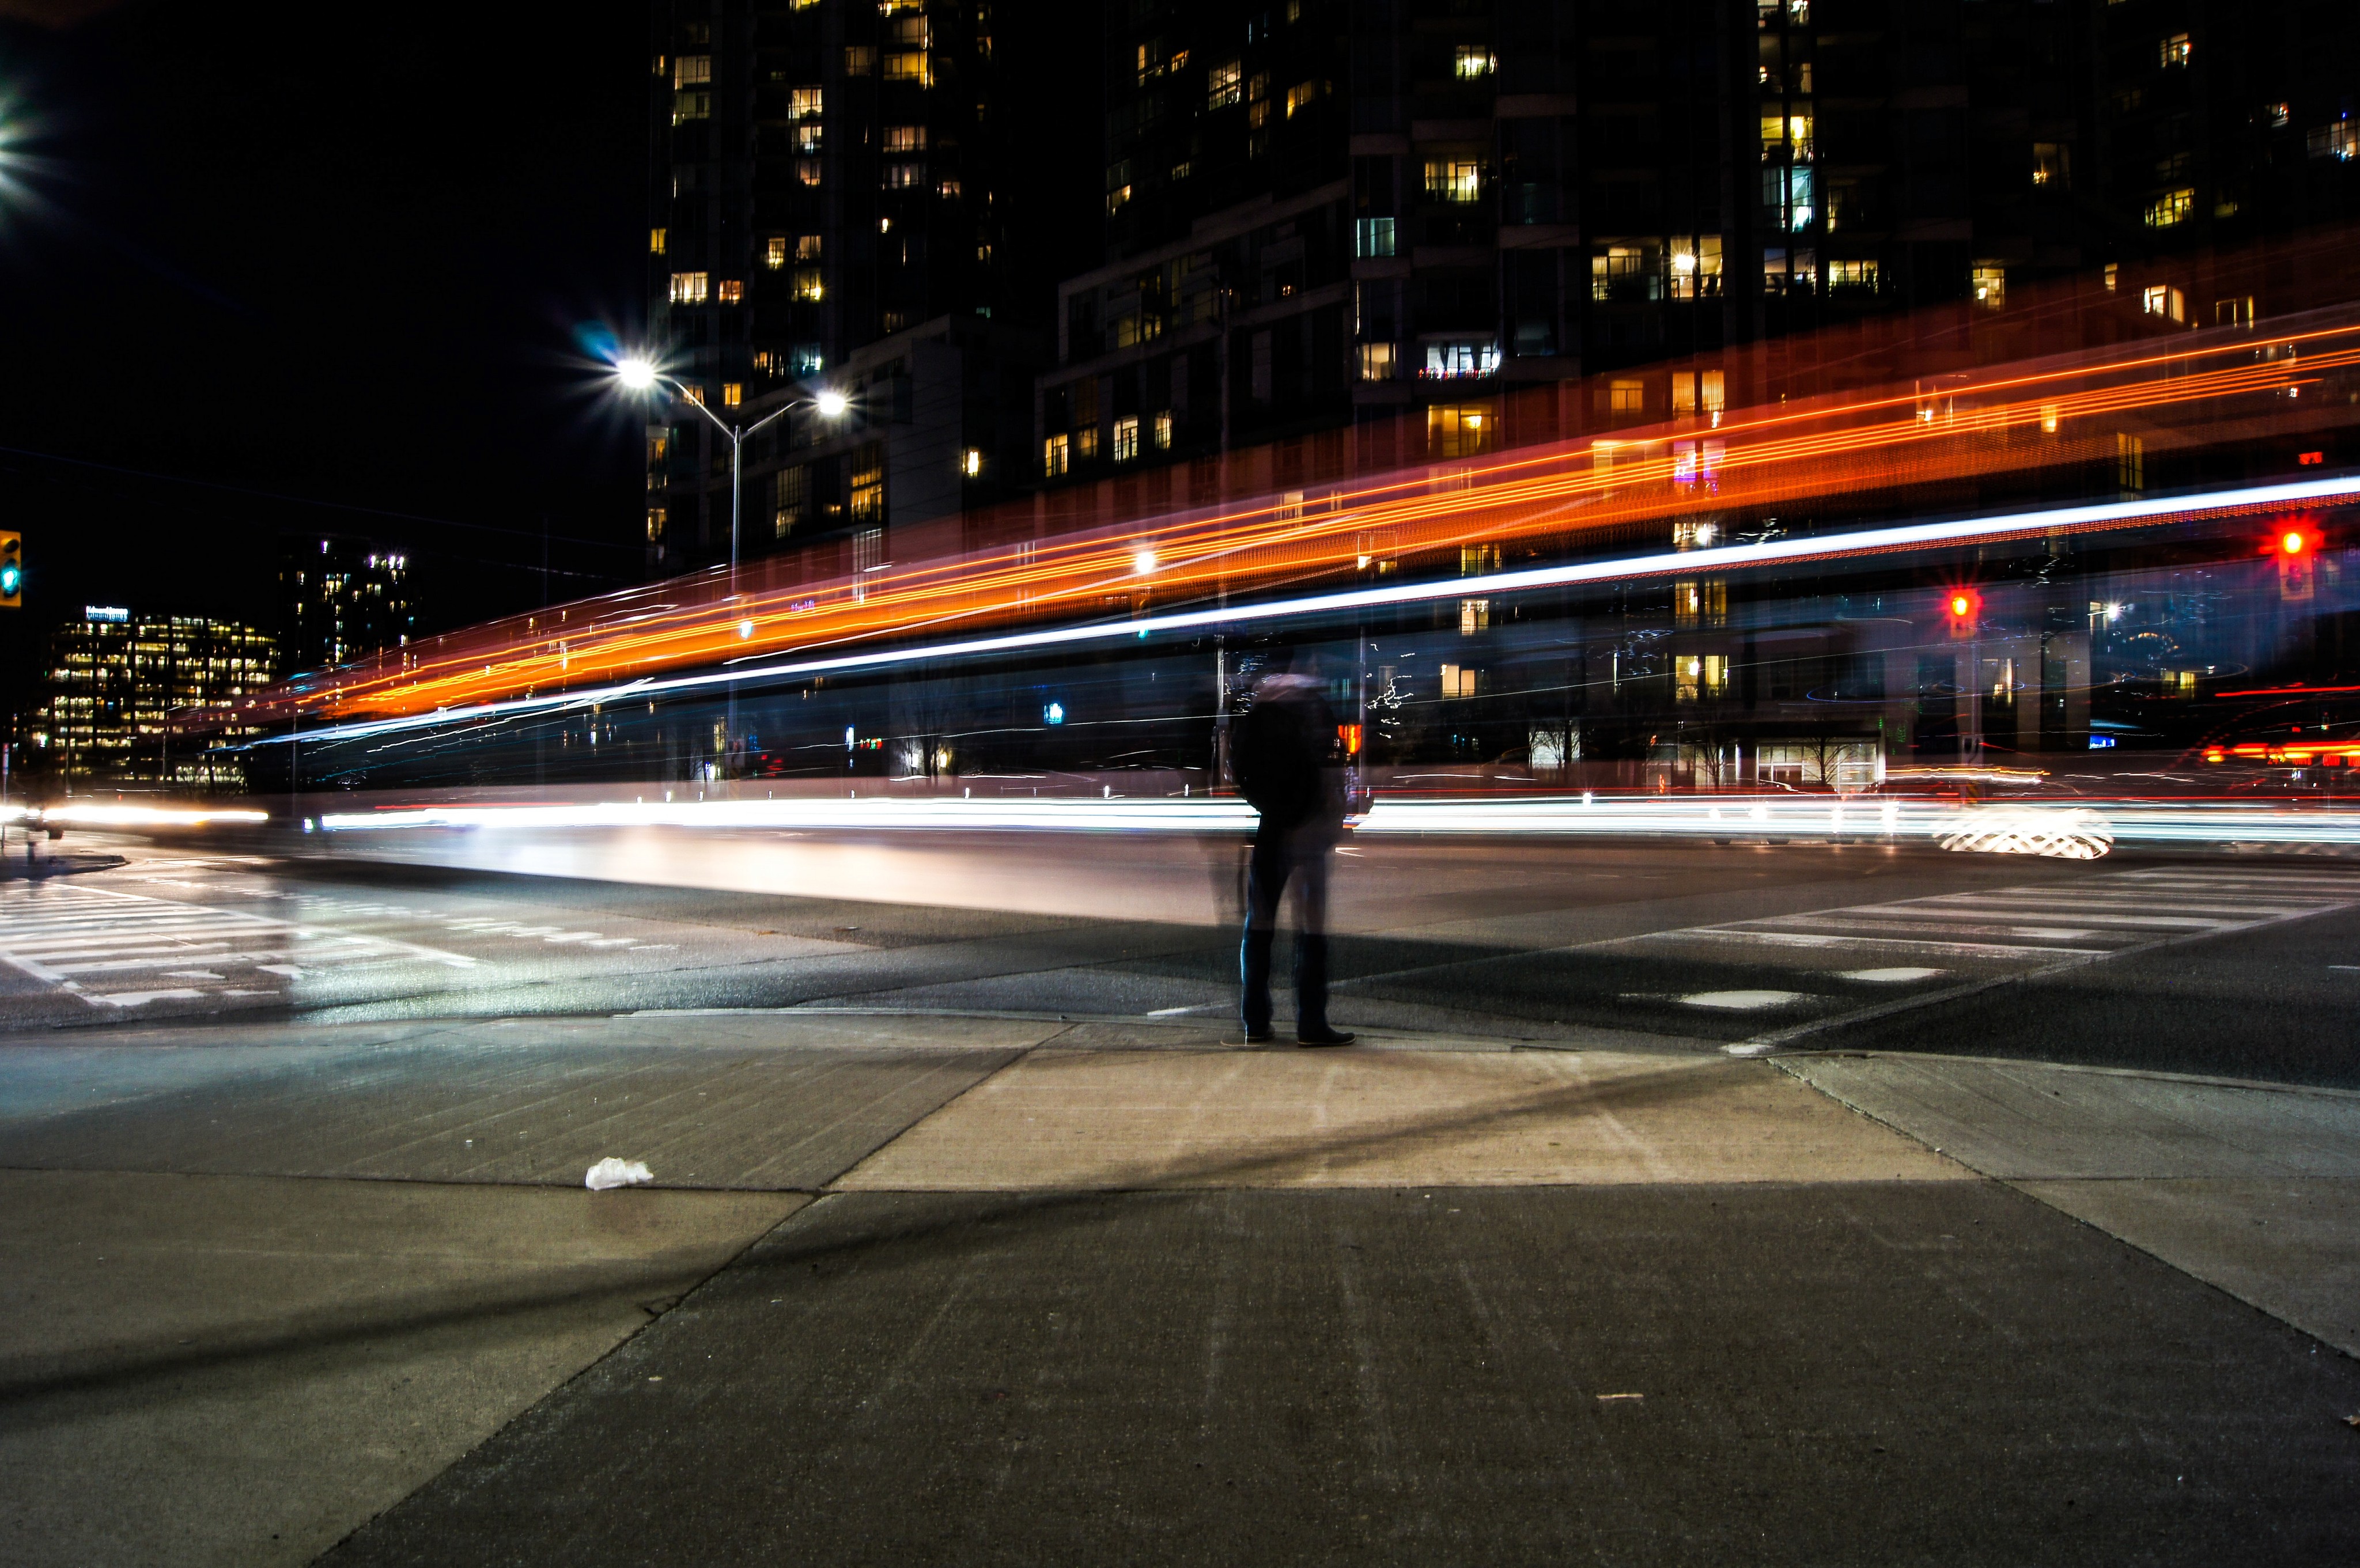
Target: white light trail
point(1722, 558)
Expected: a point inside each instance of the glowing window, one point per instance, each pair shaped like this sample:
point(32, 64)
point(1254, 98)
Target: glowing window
point(657, 241)
point(905, 138)
point(807, 102)
point(692, 69)
point(808, 170)
point(2340, 141)
point(1459, 429)
point(686, 107)
point(2170, 208)
point(730, 291)
point(1473, 60)
point(1454, 180)
point(1225, 84)
point(689, 287)
point(774, 252)
point(914, 66)
point(1126, 438)
point(2172, 51)
point(904, 176)
point(807, 247)
point(1989, 285)
point(732, 394)
point(1056, 453)
point(809, 135)
point(809, 284)
point(1163, 432)
point(2052, 165)
point(1300, 96)
point(1377, 362)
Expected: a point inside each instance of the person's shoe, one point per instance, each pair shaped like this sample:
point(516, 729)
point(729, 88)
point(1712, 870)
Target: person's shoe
point(1252, 1037)
point(1323, 1035)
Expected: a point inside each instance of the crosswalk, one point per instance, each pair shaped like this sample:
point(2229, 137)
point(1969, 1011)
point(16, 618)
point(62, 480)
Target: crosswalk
point(2093, 917)
point(116, 950)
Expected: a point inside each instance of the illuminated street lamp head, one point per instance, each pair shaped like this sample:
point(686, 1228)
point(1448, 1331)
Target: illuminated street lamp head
point(636, 375)
point(831, 405)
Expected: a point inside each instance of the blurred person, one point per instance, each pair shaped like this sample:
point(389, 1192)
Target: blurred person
point(1286, 757)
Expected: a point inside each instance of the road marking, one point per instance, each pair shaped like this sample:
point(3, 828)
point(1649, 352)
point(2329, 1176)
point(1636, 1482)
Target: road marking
point(1741, 1001)
point(1888, 976)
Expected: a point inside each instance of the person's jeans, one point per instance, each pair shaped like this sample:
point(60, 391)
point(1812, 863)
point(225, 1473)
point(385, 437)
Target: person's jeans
point(1279, 857)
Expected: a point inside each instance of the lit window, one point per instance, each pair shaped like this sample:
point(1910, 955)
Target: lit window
point(1696, 274)
point(2340, 141)
point(807, 247)
point(1627, 272)
point(1377, 362)
point(1300, 96)
point(692, 69)
point(904, 176)
point(1624, 397)
point(1852, 278)
point(1126, 438)
point(809, 284)
point(807, 169)
point(1474, 615)
point(688, 106)
point(688, 287)
point(2171, 51)
point(2276, 115)
point(2052, 165)
point(1454, 180)
point(914, 66)
point(774, 252)
point(948, 190)
point(1475, 60)
point(809, 135)
point(693, 390)
point(971, 463)
point(1056, 455)
point(806, 102)
point(730, 291)
point(1225, 84)
point(1163, 432)
point(657, 239)
point(1789, 132)
point(1787, 192)
point(2158, 300)
point(1373, 236)
point(1695, 392)
point(1458, 429)
point(732, 394)
point(913, 32)
point(805, 359)
point(868, 493)
point(860, 59)
point(656, 519)
point(1989, 284)
point(905, 138)
point(2170, 208)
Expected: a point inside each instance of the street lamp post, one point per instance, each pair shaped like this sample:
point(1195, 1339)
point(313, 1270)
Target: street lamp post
point(641, 375)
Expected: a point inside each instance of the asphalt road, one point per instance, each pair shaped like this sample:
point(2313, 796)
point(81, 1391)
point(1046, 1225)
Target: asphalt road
point(2235, 967)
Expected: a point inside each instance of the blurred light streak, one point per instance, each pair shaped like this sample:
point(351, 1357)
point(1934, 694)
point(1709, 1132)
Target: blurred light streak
point(1859, 543)
point(96, 816)
point(1780, 455)
point(1736, 819)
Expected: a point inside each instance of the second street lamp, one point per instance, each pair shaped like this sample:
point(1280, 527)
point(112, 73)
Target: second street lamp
point(637, 375)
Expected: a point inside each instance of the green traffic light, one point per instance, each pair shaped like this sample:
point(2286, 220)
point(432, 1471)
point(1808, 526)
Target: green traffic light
point(10, 576)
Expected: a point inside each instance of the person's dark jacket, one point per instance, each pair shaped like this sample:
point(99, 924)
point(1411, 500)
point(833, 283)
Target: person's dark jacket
point(1283, 753)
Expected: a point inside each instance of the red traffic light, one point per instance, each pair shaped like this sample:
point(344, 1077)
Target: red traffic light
point(1963, 607)
point(2292, 542)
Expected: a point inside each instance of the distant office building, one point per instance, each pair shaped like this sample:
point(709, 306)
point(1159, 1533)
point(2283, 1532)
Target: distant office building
point(114, 679)
point(829, 175)
point(1381, 212)
point(340, 599)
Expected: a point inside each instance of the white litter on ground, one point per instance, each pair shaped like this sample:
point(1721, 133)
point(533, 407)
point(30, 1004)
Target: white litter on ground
point(1741, 1001)
point(1888, 976)
point(611, 1172)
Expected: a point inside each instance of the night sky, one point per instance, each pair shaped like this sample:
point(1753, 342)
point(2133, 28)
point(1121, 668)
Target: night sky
point(334, 254)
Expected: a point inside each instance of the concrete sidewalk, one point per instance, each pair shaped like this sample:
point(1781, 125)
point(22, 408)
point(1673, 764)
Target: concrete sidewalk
point(915, 1287)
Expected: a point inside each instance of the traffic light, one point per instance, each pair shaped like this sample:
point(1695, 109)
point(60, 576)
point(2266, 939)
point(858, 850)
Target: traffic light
point(2294, 546)
point(1963, 609)
point(12, 571)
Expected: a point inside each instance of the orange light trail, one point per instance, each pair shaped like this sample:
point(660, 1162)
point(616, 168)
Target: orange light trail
point(1588, 487)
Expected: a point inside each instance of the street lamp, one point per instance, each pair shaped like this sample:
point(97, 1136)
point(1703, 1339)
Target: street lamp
point(637, 375)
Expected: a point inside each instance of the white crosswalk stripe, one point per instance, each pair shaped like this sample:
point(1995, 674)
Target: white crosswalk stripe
point(2111, 913)
point(87, 941)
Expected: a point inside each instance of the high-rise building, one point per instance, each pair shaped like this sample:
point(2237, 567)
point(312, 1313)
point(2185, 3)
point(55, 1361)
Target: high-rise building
point(114, 679)
point(830, 177)
point(341, 598)
point(1396, 212)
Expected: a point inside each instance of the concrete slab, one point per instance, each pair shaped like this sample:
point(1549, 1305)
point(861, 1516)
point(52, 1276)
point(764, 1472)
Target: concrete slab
point(738, 1101)
point(230, 1370)
point(2253, 1189)
point(1061, 1119)
point(1917, 1372)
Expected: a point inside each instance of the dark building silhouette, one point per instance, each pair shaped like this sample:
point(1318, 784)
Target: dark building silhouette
point(849, 195)
point(340, 599)
point(1392, 213)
